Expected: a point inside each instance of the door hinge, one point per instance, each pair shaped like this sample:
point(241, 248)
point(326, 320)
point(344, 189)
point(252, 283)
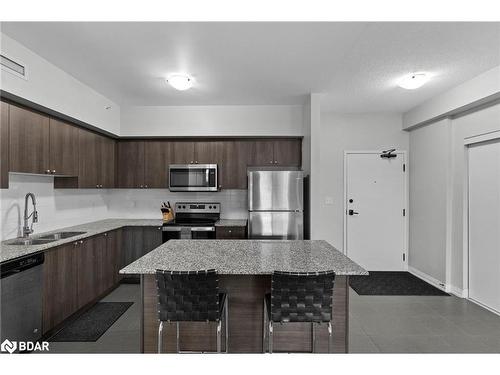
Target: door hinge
point(404, 212)
point(404, 257)
point(404, 167)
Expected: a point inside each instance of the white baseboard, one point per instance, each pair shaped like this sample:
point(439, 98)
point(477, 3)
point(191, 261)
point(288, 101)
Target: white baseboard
point(462, 293)
point(427, 278)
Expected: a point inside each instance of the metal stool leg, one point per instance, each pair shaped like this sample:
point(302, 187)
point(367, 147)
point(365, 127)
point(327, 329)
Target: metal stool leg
point(178, 343)
point(330, 337)
point(313, 337)
point(219, 329)
point(160, 337)
point(264, 328)
point(270, 336)
point(226, 323)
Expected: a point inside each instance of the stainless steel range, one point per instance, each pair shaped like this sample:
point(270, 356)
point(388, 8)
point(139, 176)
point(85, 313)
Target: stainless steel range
point(193, 220)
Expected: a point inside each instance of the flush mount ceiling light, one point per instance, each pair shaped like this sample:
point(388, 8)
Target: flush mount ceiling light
point(413, 81)
point(180, 81)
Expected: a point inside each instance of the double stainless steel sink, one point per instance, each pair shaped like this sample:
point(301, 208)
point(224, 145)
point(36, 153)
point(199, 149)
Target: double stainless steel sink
point(48, 238)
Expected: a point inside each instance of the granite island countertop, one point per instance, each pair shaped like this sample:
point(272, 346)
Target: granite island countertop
point(9, 252)
point(245, 257)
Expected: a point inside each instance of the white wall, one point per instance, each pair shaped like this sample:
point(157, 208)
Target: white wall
point(49, 86)
point(134, 203)
point(477, 123)
point(429, 170)
point(340, 132)
point(476, 90)
point(315, 160)
point(59, 208)
point(56, 208)
point(236, 120)
point(438, 178)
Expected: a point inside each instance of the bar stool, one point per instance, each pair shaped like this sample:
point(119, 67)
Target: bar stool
point(191, 296)
point(299, 297)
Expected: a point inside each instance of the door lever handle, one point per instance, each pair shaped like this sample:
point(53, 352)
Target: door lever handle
point(352, 212)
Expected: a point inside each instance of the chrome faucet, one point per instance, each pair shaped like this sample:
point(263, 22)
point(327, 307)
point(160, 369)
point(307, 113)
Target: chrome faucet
point(27, 230)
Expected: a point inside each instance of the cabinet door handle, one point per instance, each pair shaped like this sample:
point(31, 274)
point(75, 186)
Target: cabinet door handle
point(271, 162)
point(276, 162)
point(145, 186)
point(47, 171)
point(81, 241)
point(105, 235)
point(53, 171)
point(97, 186)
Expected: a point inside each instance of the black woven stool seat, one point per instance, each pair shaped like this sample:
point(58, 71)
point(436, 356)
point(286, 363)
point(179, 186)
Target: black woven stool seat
point(190, 296)
point(302, 297)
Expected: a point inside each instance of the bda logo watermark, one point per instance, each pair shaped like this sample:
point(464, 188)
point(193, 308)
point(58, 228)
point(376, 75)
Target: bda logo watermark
point(8, 346)
point(23, 346)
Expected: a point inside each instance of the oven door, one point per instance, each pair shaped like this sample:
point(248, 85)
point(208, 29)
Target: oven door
point(193, 177)
point(203, 233)
point(187, 233)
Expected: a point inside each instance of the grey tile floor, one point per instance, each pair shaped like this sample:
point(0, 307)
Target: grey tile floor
point(421, 324)
point(378, 324)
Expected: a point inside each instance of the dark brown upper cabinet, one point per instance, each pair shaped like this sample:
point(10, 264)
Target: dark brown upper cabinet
point(107, 153)
point(157, 157)
point(182, 152)
point(237, 156)
point(288, 152)
point(63, 148)
point(96, 160)
point(263, 153)
point(4, 145)
point(131, 164)
point(28, 141)
point(278, 152)
point(208, 152)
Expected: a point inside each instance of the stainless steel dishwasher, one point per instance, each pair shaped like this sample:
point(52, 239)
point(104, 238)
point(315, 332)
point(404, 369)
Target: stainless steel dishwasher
point(21, 298)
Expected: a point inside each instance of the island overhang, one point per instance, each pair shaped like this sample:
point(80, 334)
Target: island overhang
point(246, 257)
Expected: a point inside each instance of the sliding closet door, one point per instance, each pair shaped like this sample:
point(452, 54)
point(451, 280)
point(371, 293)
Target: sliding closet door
point(484, 224)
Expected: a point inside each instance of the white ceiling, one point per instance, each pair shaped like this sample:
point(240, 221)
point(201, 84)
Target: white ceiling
point(354, 64)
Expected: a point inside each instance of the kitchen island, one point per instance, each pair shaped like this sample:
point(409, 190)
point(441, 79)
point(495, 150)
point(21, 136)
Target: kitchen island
point(245, 268)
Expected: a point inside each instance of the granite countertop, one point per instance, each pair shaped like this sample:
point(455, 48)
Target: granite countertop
point(231, 223)
point(8, 252)
point(245, 257)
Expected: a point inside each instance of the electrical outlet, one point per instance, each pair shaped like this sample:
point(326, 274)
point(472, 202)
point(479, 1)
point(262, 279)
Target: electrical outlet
point(328, 200)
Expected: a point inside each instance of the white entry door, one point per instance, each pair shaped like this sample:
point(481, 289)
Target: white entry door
point(375, 221)
point(484, 224)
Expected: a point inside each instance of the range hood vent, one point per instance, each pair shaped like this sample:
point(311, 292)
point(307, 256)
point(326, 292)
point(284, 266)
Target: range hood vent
point(13, 67)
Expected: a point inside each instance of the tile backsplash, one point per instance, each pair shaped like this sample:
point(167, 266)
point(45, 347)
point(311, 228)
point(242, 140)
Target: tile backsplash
point(59, 208)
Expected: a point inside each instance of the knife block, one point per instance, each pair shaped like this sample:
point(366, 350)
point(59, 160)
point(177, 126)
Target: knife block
point(167, 214)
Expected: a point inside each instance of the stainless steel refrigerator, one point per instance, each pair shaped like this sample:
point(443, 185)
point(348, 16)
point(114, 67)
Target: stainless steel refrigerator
point(275, 203)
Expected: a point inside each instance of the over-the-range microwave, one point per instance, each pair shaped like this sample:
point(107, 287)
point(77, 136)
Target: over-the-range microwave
point(193, 177)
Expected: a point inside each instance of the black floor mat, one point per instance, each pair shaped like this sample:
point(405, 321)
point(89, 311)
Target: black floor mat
point(381, 283)
point(93, 323)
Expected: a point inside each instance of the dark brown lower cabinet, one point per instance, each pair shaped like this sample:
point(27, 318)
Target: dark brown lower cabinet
point(114, 249)
point(136, 242)
point(59, 285)
point(89, 256)
point(152, 238)
point(79, 273)
point(230, 233)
